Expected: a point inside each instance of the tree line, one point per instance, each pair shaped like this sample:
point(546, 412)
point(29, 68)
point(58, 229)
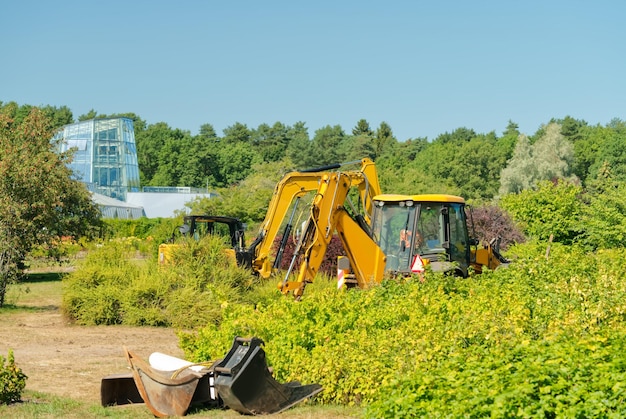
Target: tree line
point(474, 165)
point(243, 164)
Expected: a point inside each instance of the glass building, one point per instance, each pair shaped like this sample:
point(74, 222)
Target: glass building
point(105, 156)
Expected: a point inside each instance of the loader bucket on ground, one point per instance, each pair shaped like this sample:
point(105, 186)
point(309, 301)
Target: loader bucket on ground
point(164, 395)
point(245, 384)
point(119, 389)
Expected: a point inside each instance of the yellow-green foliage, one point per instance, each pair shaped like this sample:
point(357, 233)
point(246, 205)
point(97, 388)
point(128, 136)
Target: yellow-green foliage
point(520, 341)
point(117, 285)
point(12, 380)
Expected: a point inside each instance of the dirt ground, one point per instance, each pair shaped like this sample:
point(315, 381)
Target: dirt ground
point(69, 360)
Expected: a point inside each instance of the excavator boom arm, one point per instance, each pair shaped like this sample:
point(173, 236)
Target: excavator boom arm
point(327, 216)
point(297, 184)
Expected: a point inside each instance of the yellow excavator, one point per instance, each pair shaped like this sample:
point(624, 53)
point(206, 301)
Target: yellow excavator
point(198, 226)
point(284, 205)
point(382, 235)
point(401, 235)
point(362, 183)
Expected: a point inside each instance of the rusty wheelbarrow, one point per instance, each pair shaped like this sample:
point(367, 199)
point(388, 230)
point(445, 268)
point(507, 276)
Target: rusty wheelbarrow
point(167, 385)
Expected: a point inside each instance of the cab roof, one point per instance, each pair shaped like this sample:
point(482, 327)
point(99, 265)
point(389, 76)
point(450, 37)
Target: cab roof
point(420, 198)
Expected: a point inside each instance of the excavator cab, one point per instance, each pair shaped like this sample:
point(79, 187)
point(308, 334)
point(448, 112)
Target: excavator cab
point(198, 226)
point(418, 230)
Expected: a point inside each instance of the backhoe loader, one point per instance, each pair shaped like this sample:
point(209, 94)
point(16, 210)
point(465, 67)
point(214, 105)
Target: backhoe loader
point(198, 226)
point(407, 234)
point(288, 194)
point(384, 235)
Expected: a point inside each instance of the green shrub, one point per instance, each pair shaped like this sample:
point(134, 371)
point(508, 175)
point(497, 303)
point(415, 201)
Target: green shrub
point(111, 286)
point(12, 380)
point(604, 217)
point(520, 341)
point(142, 227)
point(550, 209)
point(567, 377)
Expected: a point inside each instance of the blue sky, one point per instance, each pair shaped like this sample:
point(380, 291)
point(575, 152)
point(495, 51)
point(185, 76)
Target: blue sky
point(424, 67)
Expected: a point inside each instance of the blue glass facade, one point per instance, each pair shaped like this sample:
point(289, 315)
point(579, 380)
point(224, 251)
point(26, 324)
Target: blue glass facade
point(105, 155)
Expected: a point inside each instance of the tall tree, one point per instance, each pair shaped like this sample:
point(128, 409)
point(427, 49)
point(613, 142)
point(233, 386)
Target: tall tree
point(512, 129)
point(382, 140)
point(325, 147)
point(402, 153)
point(207, 131)
point(299, 143)
point(271, 142)
point(237, 133)
point(92, 114)
point(362, 128)
point(39, 200)
point(509, 137)
point(235, 162)
point(606, 145)
point(549, 158)
point(458, 135)
point(59, 116)
point(572, 129)
point(520, 172)
point(149, 145)
point(175, 157)
point(553, 154)
point(477, 166)
point(204, 148)
point(358, 145)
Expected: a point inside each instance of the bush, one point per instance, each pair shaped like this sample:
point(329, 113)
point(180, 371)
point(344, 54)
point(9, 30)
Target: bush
point(142, 227)
point(515, 342)
point(566, 377)
point(329, 264)
point(12, 380)
point(550, 209)
point(603, 219)
point(492, 222)
point(111, 287)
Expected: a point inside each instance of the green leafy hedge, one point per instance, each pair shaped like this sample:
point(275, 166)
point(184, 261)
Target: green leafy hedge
point(569, 377)
point(116, 284)
point(521, 341)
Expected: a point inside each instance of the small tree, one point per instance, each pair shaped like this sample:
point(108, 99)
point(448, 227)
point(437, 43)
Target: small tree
point(39, 200)
point(492, 222)
point(553, 208)
point(12, 380)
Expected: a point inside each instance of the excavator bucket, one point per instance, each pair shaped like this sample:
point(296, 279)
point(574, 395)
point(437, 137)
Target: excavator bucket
point(245, 384)
point(119, 389)
point(164, 394)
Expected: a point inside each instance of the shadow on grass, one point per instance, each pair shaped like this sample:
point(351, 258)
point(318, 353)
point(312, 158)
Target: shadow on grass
point(25, 294)
point(9, 308)
point(32, 278)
